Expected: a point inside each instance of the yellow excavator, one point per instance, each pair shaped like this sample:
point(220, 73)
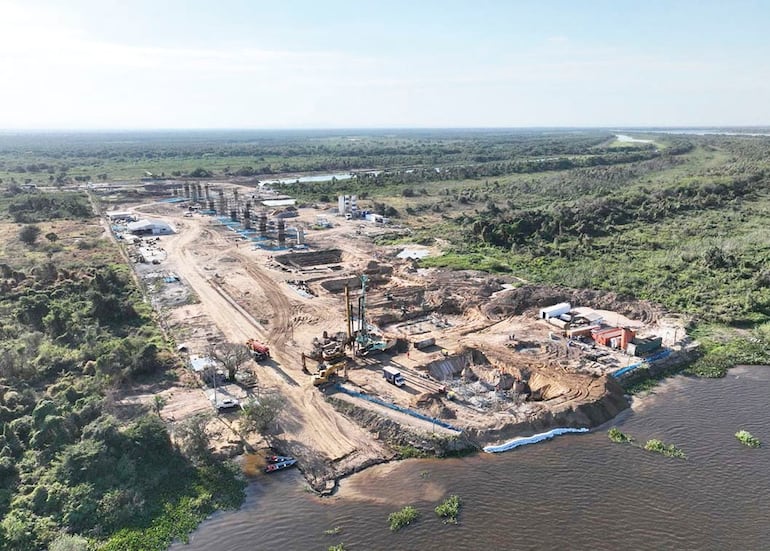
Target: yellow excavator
point(326, 371)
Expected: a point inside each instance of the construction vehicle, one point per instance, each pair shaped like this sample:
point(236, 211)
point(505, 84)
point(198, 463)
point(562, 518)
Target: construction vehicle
point(259, 351)
point(328, 348)
point(326, 372)
point(393, 376)
point(365, 340)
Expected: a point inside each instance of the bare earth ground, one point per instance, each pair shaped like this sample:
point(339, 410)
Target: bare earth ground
point(230, 291)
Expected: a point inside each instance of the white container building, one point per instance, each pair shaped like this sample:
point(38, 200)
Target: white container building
point(555, 311)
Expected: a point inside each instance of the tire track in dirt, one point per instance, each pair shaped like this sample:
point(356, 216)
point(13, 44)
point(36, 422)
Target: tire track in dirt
point(280, 327)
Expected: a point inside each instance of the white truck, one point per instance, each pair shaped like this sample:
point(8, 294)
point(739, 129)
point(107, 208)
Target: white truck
point(393, 376)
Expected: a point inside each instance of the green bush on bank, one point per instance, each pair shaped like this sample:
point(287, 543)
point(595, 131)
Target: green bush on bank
point(718, 357)
point(410, 452)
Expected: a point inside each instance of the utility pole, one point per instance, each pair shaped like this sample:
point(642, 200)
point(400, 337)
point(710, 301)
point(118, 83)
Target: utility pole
point(214, 372)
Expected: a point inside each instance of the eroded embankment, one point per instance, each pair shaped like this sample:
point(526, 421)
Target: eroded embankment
point(568, 414)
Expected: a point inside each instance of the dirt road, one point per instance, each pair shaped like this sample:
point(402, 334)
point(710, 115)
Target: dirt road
point(326, 443)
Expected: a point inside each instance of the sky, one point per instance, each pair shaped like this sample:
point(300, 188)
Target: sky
point(144, 64)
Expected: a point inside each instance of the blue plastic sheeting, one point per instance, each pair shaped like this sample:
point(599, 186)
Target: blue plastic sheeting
point(534, 439)
point(270, 248)
point(654, 358)
point(394, 407)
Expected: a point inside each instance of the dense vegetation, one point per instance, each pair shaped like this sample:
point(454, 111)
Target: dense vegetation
point(689, 231)
point(72, 327)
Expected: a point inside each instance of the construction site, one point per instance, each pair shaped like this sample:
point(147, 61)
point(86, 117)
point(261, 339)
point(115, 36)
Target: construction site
point(370, 352)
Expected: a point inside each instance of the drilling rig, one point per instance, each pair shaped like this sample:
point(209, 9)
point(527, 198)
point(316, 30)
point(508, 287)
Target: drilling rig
point(365, 341)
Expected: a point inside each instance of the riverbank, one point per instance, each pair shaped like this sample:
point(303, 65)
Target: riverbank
point(575, 481)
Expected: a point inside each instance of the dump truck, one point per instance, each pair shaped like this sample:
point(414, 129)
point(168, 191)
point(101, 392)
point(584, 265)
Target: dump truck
point(259, 351)
point(393, 376)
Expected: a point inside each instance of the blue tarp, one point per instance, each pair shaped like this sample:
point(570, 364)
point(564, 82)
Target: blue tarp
point(654, 358)
point(270, 248)
point(174, 200)
point(535, 438)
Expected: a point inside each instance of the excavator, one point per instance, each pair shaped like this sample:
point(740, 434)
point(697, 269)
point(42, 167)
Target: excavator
point(327, 370)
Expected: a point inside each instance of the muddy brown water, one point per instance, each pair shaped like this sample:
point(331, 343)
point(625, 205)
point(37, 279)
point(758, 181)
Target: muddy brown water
point(574, 492)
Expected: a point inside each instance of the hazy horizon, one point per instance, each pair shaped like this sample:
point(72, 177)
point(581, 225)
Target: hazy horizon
point(300, 65)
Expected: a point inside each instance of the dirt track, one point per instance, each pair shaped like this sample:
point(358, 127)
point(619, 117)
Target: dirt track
point(327, 443)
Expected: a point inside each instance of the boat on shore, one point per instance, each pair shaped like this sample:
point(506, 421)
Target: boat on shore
point(281, 465)
point(278, 458)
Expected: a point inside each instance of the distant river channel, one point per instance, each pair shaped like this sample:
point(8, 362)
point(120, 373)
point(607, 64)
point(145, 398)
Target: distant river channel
point(574, 492)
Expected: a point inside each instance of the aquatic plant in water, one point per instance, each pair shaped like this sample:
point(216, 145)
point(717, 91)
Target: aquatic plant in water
point(746, 438)
point(449, 509)
point(669, 450)
point(616, 435)
point(402, 518)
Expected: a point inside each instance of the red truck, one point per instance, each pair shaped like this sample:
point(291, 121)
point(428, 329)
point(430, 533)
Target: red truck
point(259, 350)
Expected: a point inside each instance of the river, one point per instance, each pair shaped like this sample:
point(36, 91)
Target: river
point(574, 492)
point(309, 179)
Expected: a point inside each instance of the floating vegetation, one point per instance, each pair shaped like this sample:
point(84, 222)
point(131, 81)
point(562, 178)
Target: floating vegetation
point(402, 518)
point(616, 435)
point(746, 438)
point(449, 509)
point(332, 531)
point(338, 547)
point(669, 450)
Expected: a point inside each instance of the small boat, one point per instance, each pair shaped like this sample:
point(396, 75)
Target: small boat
point(272, 467)
point(278, 458)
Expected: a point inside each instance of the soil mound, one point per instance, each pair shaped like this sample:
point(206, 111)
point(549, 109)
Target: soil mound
point(517, 301)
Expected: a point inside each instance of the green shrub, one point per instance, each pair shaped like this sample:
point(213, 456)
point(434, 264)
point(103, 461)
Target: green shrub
point(410, 452)
point(746, 438)
point(402, 518)
point(616, 435)
point(669, 450)
point(449, 509)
